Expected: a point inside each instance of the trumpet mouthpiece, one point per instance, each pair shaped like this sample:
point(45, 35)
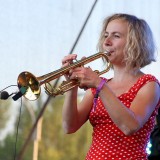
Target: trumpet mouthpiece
point(107, 52)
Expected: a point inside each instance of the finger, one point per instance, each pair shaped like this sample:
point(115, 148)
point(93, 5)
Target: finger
point(74, 76)
point(68, 59)
point(83, 57)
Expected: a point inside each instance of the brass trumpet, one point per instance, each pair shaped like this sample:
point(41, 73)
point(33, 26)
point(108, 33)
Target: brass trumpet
point(31, 85)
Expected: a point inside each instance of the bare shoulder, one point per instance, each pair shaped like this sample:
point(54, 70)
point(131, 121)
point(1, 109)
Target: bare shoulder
point(151, 88)
point(146, 100)
point(145, 103)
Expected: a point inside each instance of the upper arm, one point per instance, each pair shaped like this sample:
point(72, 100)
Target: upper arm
point(145, 102)
point(84, 107)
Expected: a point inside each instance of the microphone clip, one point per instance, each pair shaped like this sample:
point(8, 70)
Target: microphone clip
point(21, 92)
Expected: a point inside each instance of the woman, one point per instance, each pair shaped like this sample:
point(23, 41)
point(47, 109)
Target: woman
point(123, 116)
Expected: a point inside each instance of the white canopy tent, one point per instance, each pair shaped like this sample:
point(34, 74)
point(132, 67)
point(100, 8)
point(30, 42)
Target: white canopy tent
point(36, 35)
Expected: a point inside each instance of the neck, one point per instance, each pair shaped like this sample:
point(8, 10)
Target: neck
point(120, 74)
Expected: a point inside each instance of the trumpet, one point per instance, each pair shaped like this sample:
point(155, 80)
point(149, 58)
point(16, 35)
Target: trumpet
point(30, 86)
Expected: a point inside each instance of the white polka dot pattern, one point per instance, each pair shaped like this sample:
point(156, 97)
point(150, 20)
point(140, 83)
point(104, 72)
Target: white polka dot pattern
point(108, 142)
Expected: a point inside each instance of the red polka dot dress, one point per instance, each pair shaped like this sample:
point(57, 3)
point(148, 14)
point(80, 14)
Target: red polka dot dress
point(108, 141)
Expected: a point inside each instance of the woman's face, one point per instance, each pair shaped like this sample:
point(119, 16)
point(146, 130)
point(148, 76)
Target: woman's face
point(115, 40)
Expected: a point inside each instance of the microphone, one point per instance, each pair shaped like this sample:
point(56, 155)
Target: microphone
point(21, 92)
point(4, 95)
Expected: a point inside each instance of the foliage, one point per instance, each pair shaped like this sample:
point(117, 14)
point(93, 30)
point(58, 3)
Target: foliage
point(57, 145)
point(4, 108)
point(14, 141)
point(54, 144)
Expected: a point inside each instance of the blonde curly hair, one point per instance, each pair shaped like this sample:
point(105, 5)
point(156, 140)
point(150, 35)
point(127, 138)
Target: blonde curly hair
point(140, 47)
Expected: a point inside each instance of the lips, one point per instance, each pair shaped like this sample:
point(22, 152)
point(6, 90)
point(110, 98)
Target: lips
point(108, 52)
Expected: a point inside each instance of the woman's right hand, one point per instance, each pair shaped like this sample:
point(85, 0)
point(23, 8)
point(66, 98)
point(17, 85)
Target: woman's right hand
point(67, 60)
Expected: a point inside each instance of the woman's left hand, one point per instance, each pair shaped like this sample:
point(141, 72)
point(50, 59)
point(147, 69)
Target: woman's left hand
point(86, 77)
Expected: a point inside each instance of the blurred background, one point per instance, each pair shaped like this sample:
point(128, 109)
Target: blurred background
point(35, 36)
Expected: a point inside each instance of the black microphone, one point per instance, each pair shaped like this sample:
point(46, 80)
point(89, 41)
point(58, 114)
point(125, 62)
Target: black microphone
point(21, 92)
point(4, 95)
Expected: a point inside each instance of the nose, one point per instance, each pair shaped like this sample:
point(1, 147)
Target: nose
point(108, 41)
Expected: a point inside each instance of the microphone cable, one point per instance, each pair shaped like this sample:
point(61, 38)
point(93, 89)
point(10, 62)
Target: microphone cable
point(13, 85)
point(18, 123)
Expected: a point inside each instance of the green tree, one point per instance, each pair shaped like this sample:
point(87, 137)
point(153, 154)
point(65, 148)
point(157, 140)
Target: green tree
point(4, 113)
point(55, 145)
point(4, 117)
point(12, 144)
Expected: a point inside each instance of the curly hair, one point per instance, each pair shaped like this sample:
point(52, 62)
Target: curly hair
point(140, 47)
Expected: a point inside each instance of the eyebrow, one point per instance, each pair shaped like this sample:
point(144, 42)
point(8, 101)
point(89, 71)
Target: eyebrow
point(114, 33)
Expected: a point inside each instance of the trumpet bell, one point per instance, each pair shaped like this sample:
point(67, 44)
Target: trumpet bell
point(30, 82)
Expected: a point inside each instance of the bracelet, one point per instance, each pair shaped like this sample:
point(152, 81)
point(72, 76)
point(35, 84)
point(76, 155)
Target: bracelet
point(97, 93)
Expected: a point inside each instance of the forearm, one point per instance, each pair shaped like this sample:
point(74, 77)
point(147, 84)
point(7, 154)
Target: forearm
point(123, 117)
point(69, 112)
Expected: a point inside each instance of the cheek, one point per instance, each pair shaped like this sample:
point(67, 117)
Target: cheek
point(103, 42)
point(103, 45)
point(121, 46)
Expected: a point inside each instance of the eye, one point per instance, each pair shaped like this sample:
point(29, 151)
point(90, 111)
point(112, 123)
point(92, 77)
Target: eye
point(117, 36)
point(105, 35)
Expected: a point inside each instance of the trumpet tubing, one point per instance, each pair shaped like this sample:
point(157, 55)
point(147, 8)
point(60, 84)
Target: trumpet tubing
point(33, 84)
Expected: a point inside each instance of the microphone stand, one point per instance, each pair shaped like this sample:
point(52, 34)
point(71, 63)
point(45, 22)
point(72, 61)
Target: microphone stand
point(20, 155)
